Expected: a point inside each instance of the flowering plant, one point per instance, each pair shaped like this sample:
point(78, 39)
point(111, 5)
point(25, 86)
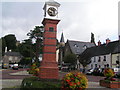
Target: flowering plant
point(108, 73)
point(34, 70)
point(74, 80)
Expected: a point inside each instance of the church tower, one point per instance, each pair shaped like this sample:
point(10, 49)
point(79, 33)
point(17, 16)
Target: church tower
point(49, 67)
point(61, 49)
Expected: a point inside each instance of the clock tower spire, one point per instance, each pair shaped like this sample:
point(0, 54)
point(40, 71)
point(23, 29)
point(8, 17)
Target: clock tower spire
point(49, 66)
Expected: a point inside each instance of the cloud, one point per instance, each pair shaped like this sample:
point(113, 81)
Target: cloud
point(82, 18)
point(78, 18)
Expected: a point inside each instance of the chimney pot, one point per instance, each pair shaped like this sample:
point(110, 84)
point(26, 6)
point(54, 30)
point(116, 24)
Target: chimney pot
point(99, 43)
point(107, 40)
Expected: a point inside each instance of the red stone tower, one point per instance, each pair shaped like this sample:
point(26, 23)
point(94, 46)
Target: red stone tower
point(49, 68)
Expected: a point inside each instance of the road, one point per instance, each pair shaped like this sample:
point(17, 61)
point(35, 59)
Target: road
point(11, 78)
point(91, 78)
point(6, 74)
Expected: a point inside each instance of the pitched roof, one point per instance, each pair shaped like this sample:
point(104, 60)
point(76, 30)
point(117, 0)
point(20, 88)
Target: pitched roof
point(77, 47)
point(13, 54)
point(52, 2)
point(117, 48)
point(101, 50)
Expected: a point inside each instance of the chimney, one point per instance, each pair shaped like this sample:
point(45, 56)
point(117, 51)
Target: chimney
point(99, 43)
point(107, 40)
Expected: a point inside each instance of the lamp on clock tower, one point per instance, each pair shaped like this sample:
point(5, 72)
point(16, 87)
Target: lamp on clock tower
point(48, 67)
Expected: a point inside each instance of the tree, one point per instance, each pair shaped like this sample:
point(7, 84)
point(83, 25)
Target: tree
point(70, 58)
point(25, 61)
point(26, 48)
point(37, 35)
point(84, 59)
point(92, 38)
point(10, 41)
point(3, 44)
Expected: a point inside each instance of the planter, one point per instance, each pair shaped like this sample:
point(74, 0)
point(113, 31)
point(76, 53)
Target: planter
point(110, 84)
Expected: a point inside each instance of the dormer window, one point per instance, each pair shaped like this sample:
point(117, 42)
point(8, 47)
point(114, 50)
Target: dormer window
point(75, 45)
point(84, 47)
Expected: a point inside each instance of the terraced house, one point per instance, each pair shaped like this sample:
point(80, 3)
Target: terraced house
point(104, 55)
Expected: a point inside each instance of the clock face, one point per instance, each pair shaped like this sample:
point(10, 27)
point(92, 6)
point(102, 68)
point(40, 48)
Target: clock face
point(52, 11)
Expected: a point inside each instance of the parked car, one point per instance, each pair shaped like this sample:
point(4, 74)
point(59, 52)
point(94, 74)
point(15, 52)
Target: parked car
point(97, 72)
point(20, 66)
point(15, 67)
point(66, 67)
point(90, 72)
point(5, 66)
point(117, 72)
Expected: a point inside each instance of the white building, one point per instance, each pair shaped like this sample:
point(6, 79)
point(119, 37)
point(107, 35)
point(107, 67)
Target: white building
point(102, 56)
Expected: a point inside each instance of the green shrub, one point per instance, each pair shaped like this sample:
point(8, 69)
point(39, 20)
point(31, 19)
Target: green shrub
point(35, 82)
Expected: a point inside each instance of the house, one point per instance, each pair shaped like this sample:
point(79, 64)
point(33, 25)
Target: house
point(116, 57)
point(101, 55)
point(76, 47)
point(11, 58)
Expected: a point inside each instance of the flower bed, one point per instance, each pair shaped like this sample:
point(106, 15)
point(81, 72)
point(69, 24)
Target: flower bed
point(74, 80)
point(110, 84)
point(109, 81)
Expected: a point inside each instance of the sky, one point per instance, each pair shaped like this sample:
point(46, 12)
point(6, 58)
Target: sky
point(78, 18)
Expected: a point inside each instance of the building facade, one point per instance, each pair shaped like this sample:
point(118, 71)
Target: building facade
point(104, 55)
point(11, 58)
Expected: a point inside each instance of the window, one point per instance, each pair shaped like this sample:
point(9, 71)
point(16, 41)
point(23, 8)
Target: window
point(94, 59)
point(51, 29)
point(16, 58)
point(84, 47)
point(99, 59)
point(104, 66)
point(99, 66)
point(118, 58)
point(75, 45)
point(107, 65)
point(117, 61)
point(91, 66)
point(10, 62)
point(104, 58)
point(10, 57)
point(95, 65)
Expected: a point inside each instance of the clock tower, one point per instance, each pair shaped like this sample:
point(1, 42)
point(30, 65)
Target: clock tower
point(49, 67)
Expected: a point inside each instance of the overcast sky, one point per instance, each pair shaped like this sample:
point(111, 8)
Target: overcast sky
point(78, 18)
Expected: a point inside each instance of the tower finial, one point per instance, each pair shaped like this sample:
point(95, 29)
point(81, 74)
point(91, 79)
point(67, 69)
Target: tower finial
point(62, 38)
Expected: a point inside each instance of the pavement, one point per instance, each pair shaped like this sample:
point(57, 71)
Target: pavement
point(20, 73)
point(9, 83)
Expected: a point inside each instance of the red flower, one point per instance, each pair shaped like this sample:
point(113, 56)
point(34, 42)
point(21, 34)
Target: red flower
point(71, 83)
point(72, 78)
point(68, 81)
point(78, 83)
